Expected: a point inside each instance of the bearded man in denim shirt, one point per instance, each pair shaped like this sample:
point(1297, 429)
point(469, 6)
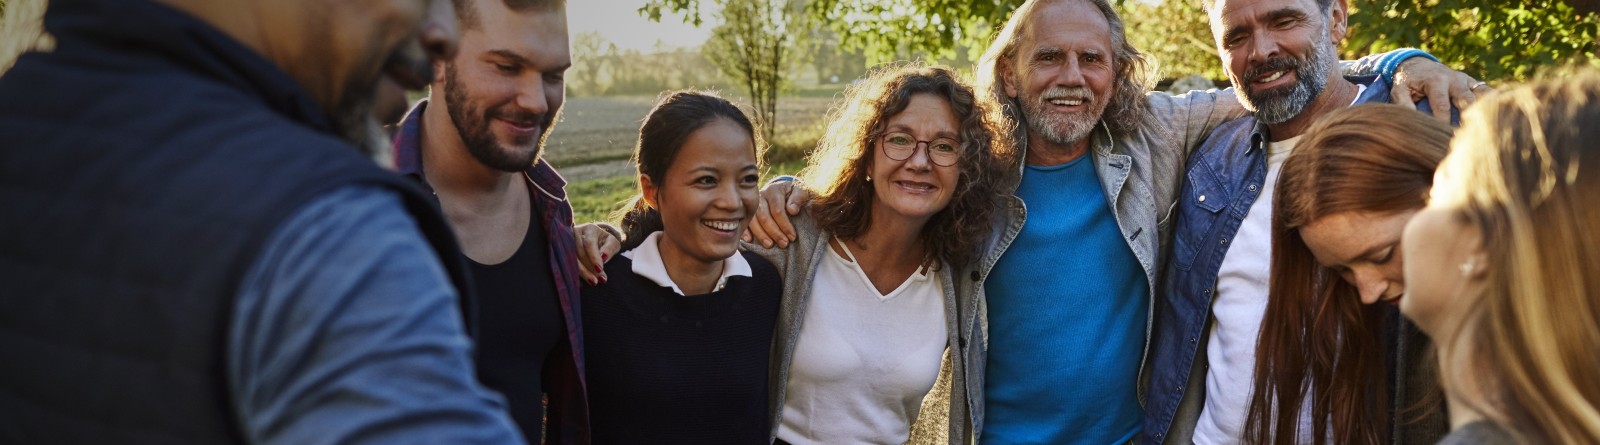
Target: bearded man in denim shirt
point(1281, 55)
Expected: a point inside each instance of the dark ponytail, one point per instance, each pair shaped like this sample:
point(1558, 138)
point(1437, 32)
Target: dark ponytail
point(677, 115)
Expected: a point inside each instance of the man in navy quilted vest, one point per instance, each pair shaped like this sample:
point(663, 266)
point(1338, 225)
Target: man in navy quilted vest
point(195, 251)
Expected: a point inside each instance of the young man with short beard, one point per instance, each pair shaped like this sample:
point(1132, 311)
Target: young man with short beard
point(1281, 57)
point(476, 143)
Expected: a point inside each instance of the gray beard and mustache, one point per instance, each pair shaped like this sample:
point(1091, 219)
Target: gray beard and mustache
point(1281, 105)
point(353, 117)
point(1063, 128)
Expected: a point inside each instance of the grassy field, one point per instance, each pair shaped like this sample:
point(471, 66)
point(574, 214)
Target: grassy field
point(595, 138)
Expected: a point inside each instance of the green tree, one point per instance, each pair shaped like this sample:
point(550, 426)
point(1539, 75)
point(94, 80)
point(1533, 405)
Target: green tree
point(1490, 39)
point(927, 29)
point(1175, 34)
point(752, 46)
point(1485, 38)
point(828, 61)
point(588, 64)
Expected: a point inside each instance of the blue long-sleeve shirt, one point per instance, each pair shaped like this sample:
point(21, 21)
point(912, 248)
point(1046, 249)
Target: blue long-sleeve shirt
point(346, 330)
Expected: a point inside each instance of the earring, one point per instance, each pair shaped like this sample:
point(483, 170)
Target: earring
point(1466, 267)
point(869, 178)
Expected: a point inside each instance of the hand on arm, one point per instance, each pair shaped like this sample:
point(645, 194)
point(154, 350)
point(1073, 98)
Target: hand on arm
point(1414, 75)
point(597, 243)
point(1421, 77)
point(779, 200)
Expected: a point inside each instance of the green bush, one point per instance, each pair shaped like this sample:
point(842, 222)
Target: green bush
point(594, 200)
point(793, 143)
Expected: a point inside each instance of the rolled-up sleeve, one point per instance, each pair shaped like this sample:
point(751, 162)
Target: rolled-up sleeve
point(346, 331)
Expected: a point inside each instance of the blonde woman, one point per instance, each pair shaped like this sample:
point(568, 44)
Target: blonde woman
point(1503, 267)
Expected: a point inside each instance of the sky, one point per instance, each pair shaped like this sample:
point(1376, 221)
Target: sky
point(620, 23)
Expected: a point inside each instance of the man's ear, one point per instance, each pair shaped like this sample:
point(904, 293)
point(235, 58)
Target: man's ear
point(1007, 76)
point(1338, 21)
point(438, 73)
point(648, 190)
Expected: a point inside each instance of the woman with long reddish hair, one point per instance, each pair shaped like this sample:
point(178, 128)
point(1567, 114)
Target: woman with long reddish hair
point(1336, 363)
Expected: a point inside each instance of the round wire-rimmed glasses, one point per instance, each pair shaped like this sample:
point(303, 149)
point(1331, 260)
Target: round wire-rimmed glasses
point(943, 152)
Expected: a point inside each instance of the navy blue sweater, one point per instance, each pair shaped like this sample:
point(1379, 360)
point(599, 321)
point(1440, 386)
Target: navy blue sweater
point(668, 369)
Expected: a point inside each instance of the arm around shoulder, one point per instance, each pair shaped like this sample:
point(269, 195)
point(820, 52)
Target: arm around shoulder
point(1187, 119)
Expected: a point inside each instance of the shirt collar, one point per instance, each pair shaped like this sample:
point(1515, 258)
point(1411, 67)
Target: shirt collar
point(647, 263)
point(408, 142)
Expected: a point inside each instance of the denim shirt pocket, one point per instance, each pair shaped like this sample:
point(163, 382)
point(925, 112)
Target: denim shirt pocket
point(1202, 203)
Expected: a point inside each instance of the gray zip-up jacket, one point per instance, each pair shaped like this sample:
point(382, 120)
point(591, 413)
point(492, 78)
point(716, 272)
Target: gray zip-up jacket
point(797, 265)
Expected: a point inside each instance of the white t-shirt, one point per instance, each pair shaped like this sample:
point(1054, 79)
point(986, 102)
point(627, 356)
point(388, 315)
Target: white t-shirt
point(864, 360)
point(1240, 303)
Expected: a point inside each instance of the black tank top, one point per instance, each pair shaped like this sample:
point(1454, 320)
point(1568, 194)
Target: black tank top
point(520, 324)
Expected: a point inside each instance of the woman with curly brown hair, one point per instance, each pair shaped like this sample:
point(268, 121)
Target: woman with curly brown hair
point(904, 197)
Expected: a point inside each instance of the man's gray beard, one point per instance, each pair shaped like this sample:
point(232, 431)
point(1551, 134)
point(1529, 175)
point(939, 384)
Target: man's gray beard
point(366, 134)
point(353, 121)
point(377, 144)
point(1310, 79)
point(1061, 129)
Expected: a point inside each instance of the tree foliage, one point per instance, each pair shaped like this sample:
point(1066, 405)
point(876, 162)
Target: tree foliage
point(1175, 35)
point(830, 63)
point(1485, 38)
point(1488, 39)
point(931, 29)
point(752, 45)
point(601, 68)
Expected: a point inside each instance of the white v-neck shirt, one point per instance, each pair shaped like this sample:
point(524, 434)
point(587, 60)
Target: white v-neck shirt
point(864, 360)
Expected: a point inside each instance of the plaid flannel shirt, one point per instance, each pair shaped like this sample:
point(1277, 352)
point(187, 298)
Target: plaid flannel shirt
point(567, 406)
